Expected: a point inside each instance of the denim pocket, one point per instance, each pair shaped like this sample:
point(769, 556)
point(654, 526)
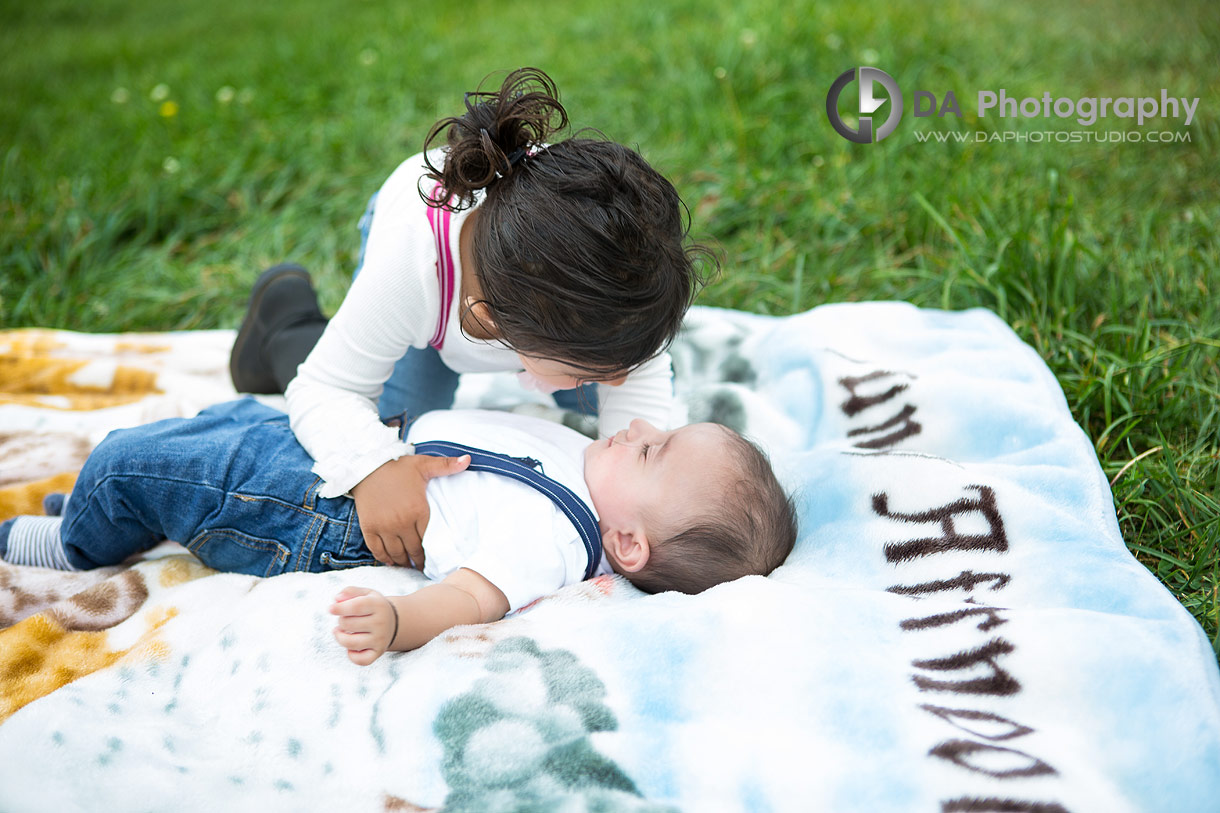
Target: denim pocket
point(232, 551)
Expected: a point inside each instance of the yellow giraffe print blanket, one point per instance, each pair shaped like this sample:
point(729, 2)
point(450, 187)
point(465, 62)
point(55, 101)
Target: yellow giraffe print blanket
point(60, 393)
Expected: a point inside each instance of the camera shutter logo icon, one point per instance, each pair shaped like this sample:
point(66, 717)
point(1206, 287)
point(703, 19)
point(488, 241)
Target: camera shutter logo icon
point(868, 102)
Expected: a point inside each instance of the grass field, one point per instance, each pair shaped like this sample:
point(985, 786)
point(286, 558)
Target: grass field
point(153, 157)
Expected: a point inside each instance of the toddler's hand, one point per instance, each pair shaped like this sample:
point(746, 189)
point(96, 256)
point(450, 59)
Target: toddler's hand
point(392, 504)
point(367, 623)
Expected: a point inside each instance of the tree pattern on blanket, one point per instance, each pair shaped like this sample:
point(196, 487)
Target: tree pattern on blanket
point(519, 739)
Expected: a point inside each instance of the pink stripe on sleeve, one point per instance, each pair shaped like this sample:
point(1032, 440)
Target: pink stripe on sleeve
point(439, 220)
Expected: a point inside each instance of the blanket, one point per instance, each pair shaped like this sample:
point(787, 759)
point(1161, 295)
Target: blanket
point(959, 628)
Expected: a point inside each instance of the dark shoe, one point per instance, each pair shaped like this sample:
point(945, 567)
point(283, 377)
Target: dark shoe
point(53, 504)
point(282, 297)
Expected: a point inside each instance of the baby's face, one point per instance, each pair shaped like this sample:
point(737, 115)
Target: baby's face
point(645, 474)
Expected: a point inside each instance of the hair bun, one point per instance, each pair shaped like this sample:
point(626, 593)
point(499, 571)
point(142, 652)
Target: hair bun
point(497, 129)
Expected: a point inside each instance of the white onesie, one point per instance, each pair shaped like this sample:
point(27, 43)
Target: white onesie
point(508, 532)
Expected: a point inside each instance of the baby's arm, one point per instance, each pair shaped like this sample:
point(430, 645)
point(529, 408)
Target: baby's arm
point(371, 623)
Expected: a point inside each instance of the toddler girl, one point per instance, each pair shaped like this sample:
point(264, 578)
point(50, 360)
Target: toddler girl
point(502, 250)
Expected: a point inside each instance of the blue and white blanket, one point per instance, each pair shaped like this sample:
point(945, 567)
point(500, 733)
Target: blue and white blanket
point(960, 628)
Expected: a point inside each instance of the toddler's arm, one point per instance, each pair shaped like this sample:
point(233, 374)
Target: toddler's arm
point(647, 393)
point(371, 623)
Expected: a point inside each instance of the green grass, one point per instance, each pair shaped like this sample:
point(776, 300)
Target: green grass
point(1104, 257)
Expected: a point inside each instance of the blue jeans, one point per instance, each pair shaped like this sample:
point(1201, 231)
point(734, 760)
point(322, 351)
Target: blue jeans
point(231, 484)
point(422, 382)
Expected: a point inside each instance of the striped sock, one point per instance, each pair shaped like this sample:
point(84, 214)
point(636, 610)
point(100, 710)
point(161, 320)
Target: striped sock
point(35, 541)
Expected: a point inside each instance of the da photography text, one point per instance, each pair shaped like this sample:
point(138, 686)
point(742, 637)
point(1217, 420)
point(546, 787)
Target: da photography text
point(876, 88)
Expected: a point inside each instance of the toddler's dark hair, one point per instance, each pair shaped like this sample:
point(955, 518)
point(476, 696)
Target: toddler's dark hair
point(580, 246)
point(749, 531)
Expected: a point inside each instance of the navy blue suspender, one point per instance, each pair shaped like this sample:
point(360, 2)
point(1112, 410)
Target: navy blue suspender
point(521, 469)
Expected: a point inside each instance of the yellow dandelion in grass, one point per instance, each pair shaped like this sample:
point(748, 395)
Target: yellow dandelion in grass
point(168, 109)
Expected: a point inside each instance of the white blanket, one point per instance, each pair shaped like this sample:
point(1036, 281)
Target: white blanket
point(960, 627)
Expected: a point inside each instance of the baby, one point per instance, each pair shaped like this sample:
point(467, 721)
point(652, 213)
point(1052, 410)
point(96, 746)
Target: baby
point(669, 510)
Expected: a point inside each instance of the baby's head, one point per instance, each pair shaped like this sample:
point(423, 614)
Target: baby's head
point(689, 508)
point(579, 247)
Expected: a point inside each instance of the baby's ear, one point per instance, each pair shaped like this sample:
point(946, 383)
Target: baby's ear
point(630, 550)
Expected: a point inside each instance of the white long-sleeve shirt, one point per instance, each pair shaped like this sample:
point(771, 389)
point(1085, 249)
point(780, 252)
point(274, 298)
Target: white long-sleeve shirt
point(395, 303)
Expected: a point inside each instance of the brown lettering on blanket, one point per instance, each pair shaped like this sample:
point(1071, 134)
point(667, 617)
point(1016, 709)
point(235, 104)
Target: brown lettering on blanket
point(978, 668)
point(906, 428)
point(941, 619)
point(998, 682)
point(858, 403)
point(1009, 729)
point(896, 427)
point(961, 751)
point(950, 539)
point(967, 581)
point(989, 805)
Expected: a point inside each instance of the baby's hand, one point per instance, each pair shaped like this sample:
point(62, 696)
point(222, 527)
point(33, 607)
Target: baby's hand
point(368, 623)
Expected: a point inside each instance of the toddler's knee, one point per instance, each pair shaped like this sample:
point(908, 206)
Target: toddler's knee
point(123, 451)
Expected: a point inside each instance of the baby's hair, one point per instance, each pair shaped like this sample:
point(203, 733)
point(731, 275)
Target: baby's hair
point(748, 531)
point(580, 247)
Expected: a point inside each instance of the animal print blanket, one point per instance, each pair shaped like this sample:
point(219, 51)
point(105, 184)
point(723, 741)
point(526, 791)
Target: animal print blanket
point(960, 627)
